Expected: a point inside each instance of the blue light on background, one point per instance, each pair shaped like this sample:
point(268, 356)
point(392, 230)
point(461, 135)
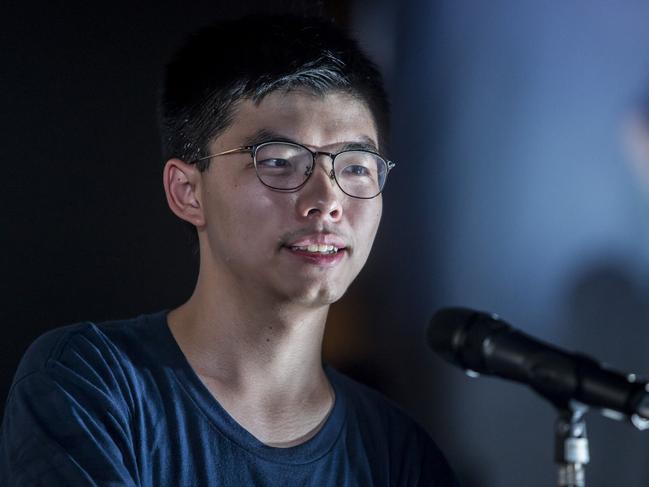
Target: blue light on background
point(508, 121)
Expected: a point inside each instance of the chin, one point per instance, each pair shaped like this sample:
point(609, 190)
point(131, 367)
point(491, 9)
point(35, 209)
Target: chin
point(318, 297)
point(315, 290)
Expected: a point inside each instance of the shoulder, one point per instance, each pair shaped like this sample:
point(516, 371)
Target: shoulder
point(71, 406)
point(369, 403)
point(388, 431)
point(46, 347)
point(79, 371)
point(84, 349)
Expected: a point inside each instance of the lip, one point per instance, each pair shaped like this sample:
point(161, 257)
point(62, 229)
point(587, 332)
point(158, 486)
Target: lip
point(318, 239)
point(314, 258)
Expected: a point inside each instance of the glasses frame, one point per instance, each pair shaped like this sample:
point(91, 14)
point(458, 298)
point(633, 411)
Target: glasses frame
point(252, 150)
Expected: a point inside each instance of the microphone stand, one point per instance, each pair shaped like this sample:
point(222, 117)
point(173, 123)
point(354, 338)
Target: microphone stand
point(571, 445)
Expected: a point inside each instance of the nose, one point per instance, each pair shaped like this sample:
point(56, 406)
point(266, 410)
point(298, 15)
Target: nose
point(320, 197)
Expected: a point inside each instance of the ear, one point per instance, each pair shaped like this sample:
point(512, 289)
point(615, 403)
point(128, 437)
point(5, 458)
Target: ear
point(182, 183)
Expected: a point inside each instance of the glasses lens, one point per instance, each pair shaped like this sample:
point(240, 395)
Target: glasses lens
point(361, 173)
point(282, 165)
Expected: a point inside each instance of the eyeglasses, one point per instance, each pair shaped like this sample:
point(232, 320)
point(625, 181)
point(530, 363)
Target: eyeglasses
point(287, 166)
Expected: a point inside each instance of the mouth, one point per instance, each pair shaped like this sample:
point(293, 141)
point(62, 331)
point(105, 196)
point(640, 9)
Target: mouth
point(322, 256)
point(322, 249)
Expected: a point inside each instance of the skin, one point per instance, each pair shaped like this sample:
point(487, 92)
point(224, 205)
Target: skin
point(252, 330)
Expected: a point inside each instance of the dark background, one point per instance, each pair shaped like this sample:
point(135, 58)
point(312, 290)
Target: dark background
point(511, 194)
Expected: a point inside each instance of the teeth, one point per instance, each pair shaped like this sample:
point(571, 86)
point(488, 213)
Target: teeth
point(320, 248)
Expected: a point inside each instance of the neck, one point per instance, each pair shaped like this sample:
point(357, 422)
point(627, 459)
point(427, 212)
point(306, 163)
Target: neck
point(259, 359)
point(228, 332)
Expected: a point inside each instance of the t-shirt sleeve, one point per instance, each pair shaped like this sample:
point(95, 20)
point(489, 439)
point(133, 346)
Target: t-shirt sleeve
point(400, 451)
point(64, 425)
point(417, 461)
point(435, 471)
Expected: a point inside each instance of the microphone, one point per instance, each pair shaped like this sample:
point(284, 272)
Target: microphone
point(482, 343)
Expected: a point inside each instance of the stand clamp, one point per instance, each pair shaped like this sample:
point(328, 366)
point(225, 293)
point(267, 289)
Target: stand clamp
point(571, 446)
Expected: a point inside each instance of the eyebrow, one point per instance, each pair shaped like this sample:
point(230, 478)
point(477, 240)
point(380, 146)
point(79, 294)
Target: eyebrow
point(265, 135)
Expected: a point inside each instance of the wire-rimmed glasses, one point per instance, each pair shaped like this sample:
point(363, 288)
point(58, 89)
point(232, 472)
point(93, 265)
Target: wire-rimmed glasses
point(287, 166)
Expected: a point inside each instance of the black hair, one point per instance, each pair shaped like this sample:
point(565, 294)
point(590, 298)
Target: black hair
point(249, 58)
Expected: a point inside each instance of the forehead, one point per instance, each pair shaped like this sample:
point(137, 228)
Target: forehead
point(320, 121)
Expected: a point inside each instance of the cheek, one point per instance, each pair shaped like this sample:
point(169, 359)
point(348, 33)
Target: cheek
point(378, 211)
point(365, 220)
point(250, 214)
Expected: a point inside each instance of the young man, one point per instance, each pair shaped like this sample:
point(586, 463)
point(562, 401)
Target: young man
point(273, 129)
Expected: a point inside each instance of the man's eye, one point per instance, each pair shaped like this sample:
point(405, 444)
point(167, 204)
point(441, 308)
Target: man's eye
point(274, 163)
point(356, 170)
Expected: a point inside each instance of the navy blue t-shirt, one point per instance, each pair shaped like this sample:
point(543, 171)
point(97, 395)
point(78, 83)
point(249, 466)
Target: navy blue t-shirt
point(117, 404)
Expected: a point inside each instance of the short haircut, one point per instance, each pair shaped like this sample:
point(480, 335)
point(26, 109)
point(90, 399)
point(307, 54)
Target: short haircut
point(249, 58)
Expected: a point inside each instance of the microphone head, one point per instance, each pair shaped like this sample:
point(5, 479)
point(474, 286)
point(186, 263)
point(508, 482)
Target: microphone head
point(443, 329)
point(483, 343)
point(458, 336)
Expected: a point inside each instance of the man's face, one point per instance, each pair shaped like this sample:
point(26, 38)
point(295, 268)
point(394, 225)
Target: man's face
point(258, 238)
